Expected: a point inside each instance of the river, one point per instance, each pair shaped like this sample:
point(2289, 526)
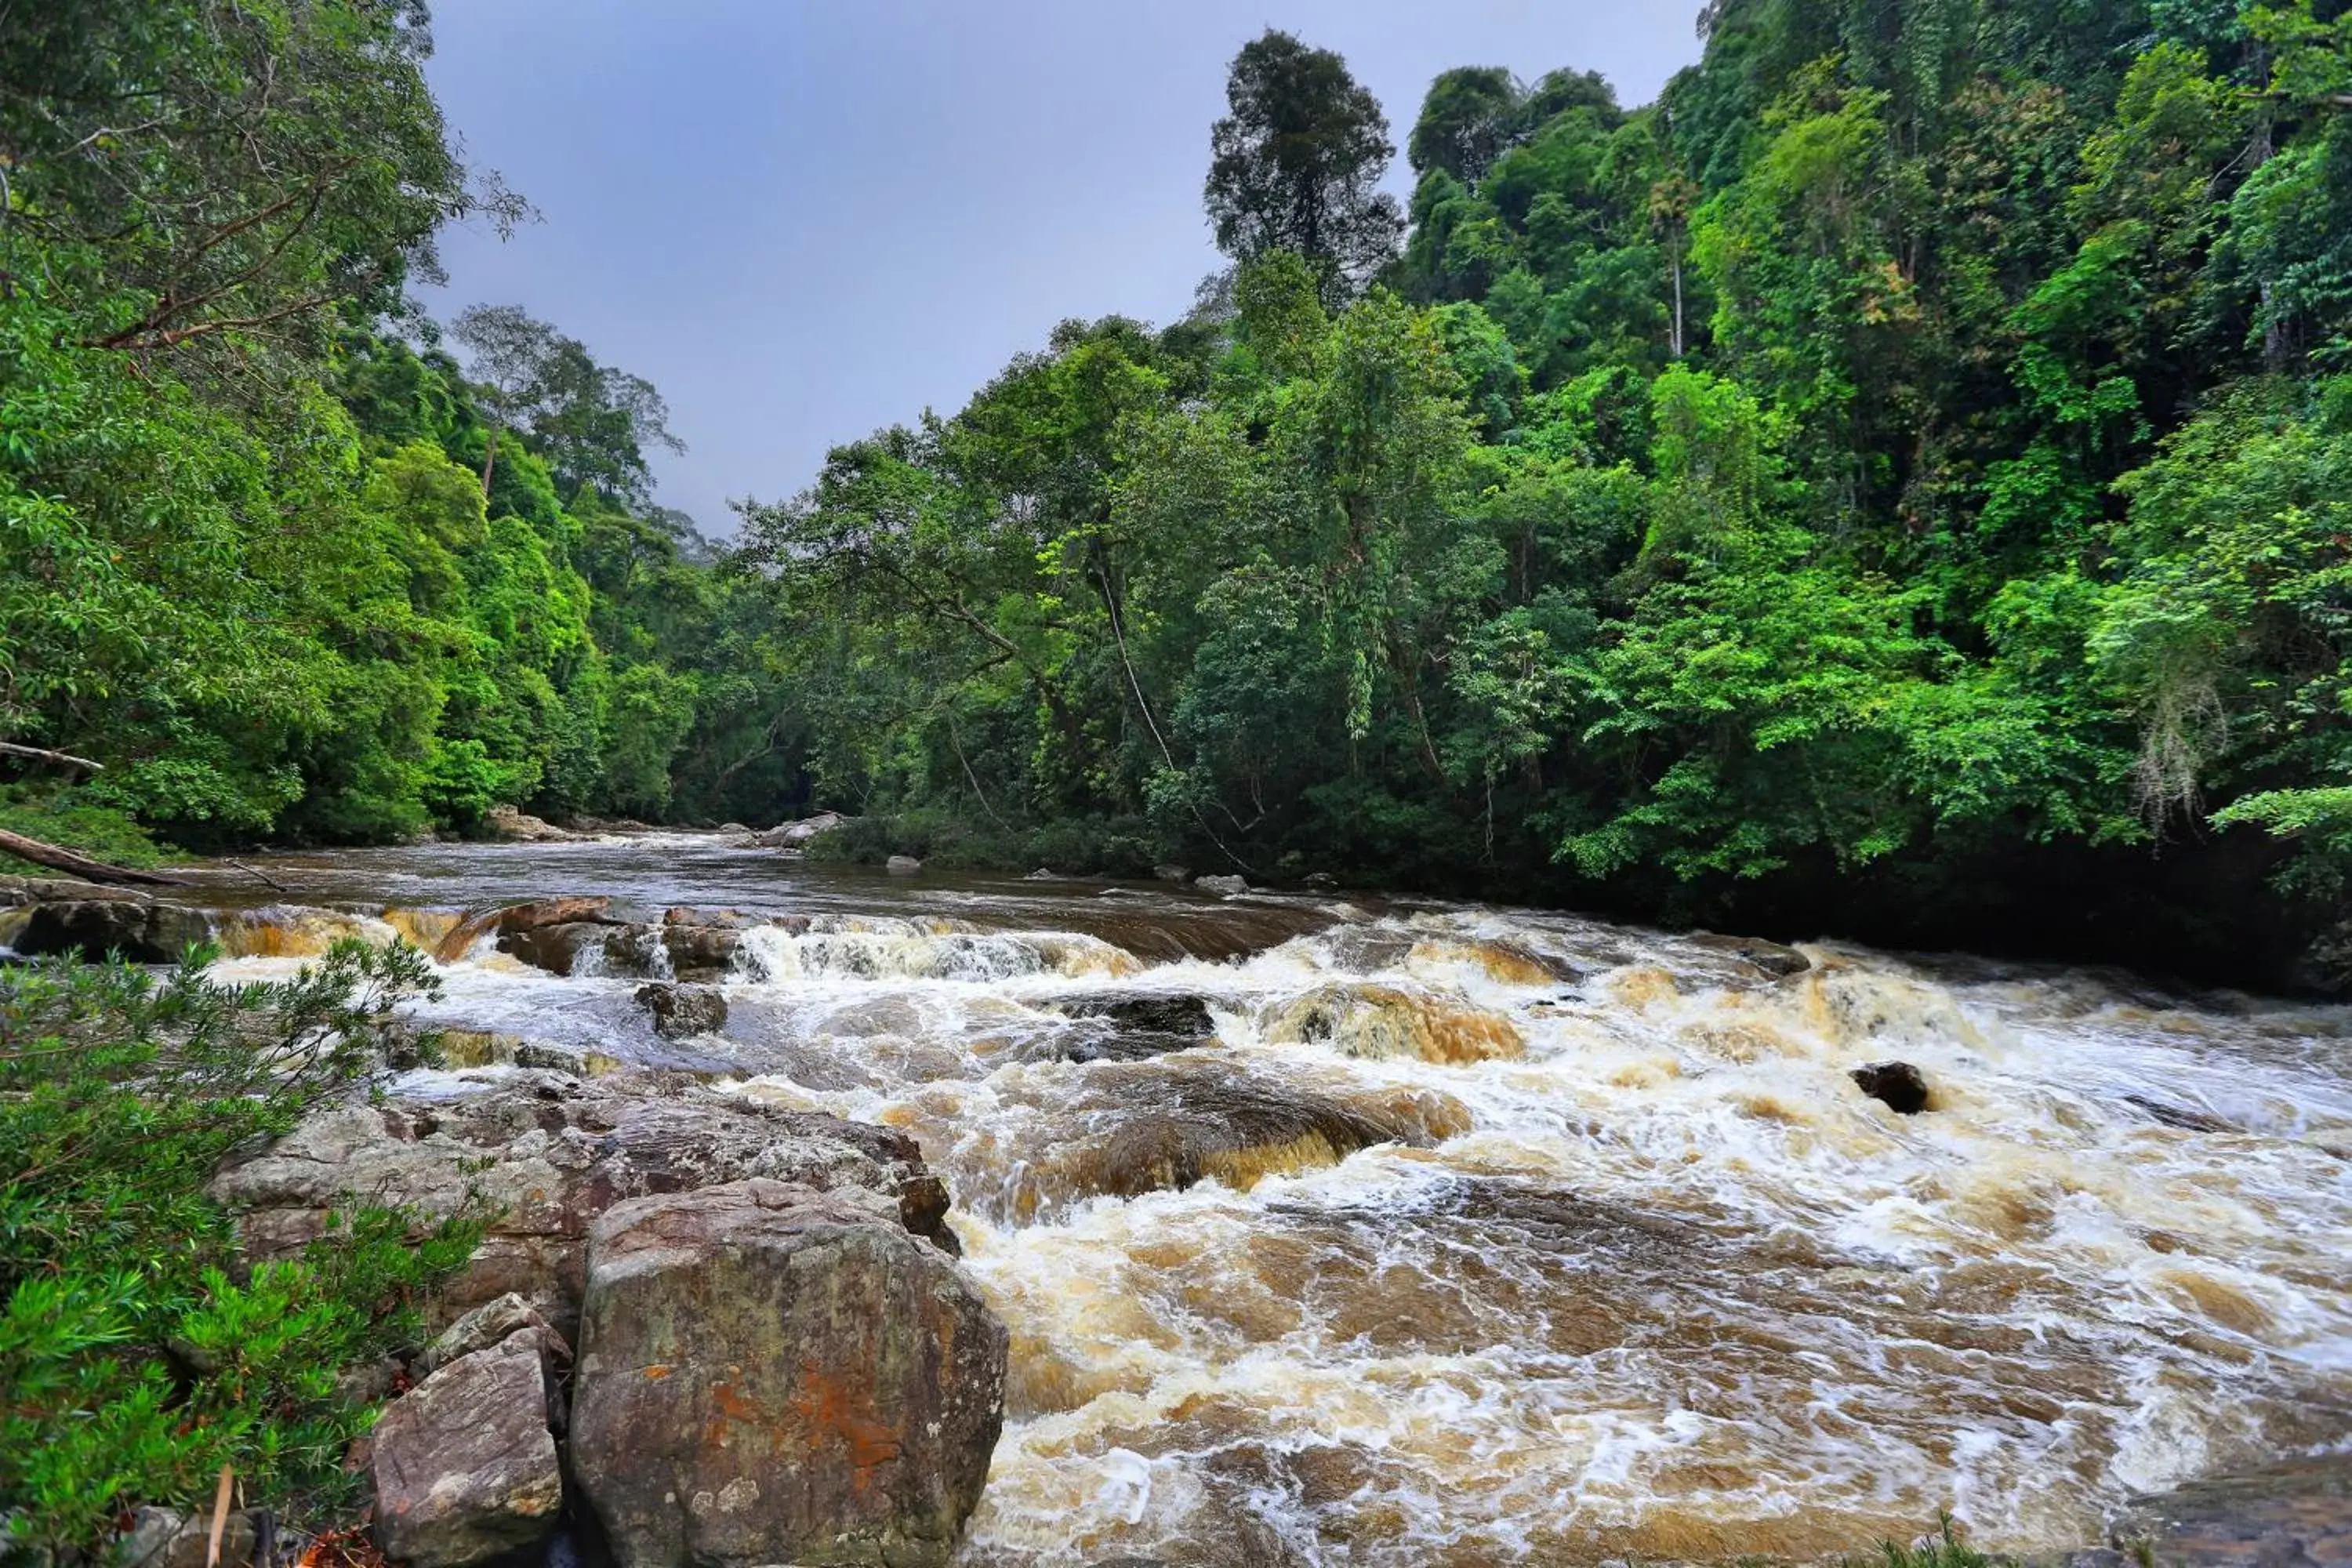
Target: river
point(1516, 1237)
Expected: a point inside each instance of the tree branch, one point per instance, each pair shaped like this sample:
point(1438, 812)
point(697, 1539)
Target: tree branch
point(41, 754)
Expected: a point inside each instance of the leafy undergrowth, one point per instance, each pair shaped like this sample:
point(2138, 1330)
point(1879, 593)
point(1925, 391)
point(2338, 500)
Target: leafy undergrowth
point(102, 832)
point(947, 841)
point(137, 1356)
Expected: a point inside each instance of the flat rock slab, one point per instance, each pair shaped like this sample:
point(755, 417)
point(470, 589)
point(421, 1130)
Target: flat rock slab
point(465, 1467)
point(547, 1157)
point(769, 1374)
point(2296, 1515)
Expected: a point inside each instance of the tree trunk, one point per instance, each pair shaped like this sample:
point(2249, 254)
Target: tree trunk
point(490, 461)
point(82, 866)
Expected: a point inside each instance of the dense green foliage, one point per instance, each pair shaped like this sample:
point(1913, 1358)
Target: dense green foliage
point(256, 554)
point(1894, 483)
point(136, 1359)
point(1899, 473)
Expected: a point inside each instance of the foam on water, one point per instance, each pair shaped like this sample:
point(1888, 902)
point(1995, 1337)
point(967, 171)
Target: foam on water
point(1480, 1238)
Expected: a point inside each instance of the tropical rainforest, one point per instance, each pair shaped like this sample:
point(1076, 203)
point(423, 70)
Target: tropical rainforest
point(1899, 483)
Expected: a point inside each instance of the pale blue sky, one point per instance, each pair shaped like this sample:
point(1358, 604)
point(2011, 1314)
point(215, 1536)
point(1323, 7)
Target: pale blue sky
point(802, 219)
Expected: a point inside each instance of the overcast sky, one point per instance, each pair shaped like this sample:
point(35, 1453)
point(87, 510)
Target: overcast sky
point(802, 219)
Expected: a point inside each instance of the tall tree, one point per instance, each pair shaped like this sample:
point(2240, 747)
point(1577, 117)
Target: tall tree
point(212, 168)
point(1470, 115)
point(517, 361)
point(1296, 164)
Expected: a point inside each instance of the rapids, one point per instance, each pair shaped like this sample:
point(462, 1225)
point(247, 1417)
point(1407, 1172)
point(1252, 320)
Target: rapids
point(1464, 1236)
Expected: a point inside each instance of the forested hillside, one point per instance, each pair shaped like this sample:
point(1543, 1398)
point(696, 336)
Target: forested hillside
point(1899, 483)
point(267, 552)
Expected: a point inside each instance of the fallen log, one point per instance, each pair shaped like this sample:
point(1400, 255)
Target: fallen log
point(62, 859)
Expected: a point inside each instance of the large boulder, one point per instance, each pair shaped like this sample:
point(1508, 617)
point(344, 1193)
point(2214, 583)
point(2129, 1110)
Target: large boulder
point(140, 929)
point(513, 920)
point(1129, 1128)
point(464, 1465)
point(797, 835)
point(518, 826)
point(770, 1374)
point(545, 1155)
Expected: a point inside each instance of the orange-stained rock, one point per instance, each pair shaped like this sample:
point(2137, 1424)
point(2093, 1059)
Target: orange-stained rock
point(1385, 1021)
point(769, 1373)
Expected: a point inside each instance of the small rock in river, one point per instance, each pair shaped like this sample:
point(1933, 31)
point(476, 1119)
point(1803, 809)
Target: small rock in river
point(1898, 1086)
point(679, 1011)
point(902, 865)
point(1225, 884)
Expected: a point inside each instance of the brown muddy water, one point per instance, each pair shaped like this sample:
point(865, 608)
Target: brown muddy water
point(1509, 1237)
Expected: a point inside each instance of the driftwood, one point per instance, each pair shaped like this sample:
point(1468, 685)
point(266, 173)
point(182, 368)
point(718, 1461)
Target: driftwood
point(40, 754)
point(82, 866)
point(257, 871)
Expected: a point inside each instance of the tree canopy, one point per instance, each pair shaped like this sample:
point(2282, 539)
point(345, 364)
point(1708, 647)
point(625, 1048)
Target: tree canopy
point(1894, 483)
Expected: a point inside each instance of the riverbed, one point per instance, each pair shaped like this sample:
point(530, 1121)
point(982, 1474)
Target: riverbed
point(1634, 1269)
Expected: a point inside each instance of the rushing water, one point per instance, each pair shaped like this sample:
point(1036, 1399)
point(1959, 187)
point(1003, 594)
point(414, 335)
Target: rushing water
point(1511, 1237)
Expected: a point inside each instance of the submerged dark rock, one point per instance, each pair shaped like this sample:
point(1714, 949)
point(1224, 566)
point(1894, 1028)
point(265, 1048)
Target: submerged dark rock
point(1771, 957)
point(1137, 1026)
point(1898, 1086)
point(1161, 1126)
point(2180, 1117)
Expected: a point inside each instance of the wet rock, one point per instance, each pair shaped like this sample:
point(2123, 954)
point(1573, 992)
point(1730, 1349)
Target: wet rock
point(545, 1158)
point(1228, 885)
point(141, 930)
point(2180, 1117)
point(1506, 962)
point(2295, 1515)
point(701, 952)
point(1044, 874)
point(1320, 879)
point(770, 1374)
point(736, 828)
point(720, 919)
point(1773, 958)
point(465, 1467)
point(1898, 1086)
point(1138, 1026)
point(515, 919)
point(559, 948)
point(1386, 1022)
point(1153, 1128)
point(1176, 874)
point(516, 827)
point(902, 865)
point(797, 835)
point(682, 1011)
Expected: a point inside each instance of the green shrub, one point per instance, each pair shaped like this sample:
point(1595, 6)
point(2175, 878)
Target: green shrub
point(136, 1359)
point(59, 816)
